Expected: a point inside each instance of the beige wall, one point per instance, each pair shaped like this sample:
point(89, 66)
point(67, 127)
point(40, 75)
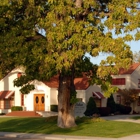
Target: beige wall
point(90, 90)
point(127, 81)
point(131, 79)
point(7, 84)
point(54, 96)
point(131, 82)
point(40, 88)
point(134, 78)
point(81, 95)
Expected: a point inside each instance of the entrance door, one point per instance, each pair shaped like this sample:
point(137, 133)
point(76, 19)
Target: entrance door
point(39, 102)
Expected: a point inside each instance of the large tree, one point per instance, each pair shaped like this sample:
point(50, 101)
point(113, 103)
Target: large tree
point(70, 29)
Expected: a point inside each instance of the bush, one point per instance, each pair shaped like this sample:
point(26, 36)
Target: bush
point(16, 108)
point(123, 109)
point(118, 108)
point(104, 111)
point(2, 113)
point(111, 103)
point(54, 108)
point(126, 110)
point(91, 107)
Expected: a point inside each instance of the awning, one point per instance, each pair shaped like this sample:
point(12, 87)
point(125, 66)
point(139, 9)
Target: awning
point(99, 95)
point(6, 94)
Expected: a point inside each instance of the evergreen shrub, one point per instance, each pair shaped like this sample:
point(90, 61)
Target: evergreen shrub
point(54, 108)
point(91, 107)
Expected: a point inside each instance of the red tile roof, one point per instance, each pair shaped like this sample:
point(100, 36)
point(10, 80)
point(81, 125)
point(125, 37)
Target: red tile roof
point(99, 95)
point(53, 82)
point(6, 94)
point(80, 83)
point(130, 70)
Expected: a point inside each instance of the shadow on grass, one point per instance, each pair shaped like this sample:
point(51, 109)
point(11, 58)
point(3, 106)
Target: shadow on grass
point(35, 125)
point(85, 127)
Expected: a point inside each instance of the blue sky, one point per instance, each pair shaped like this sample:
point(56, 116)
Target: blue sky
point(135, 47)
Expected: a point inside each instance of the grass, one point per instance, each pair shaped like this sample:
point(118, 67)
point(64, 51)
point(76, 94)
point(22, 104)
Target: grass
point(85, 127)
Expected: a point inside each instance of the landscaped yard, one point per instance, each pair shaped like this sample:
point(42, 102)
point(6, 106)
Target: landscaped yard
point(86, 127)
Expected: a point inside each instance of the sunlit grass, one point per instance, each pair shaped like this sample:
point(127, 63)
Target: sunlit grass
point(85, 127)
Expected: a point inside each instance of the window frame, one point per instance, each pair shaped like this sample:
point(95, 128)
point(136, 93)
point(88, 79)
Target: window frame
point(118, 81)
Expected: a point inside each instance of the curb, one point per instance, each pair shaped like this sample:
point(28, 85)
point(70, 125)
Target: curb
point(50, 137)
point(61, 137)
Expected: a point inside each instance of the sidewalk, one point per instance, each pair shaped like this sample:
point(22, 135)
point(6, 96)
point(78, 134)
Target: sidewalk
point(62, 137)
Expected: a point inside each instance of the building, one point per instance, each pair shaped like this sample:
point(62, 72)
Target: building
point(44, 95)
point(128, 79)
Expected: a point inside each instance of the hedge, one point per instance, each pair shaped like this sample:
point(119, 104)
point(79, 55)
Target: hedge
point(54, 108)
point(16, 108)
point(123, 109)
point(104, 111)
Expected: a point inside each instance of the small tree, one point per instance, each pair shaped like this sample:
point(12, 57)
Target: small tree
point(111, 103)
point(129, 96)
point(91, 107)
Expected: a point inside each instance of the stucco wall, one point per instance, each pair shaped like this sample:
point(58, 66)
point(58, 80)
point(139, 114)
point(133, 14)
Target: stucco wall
point(54, 96)
point(40, 88)
point(81, 95)
point(90, 89)
point(134, 78)
point(127, 81)
point(7, 84)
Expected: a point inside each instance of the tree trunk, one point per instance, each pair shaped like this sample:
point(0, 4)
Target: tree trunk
point(65, 108)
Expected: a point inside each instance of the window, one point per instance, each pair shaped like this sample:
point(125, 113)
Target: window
point(7, 104)
point(118, 99)
point(98, 102)
point(19, 74)
point(22, 99)
point(1, 104)
point(118, 81)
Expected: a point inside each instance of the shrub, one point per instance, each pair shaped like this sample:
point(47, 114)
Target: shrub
point(91, 107)
point(2, 113)
point(104, 111)
point(111, 103)
point(54, 108)
point(126, 110)
point(16, 108)
point(118, 107)
point(123, 109)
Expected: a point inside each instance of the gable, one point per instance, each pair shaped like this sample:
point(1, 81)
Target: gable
point(132, 68)
point(14, 71)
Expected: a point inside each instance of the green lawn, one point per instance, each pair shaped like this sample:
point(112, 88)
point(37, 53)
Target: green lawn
point(85, 127)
